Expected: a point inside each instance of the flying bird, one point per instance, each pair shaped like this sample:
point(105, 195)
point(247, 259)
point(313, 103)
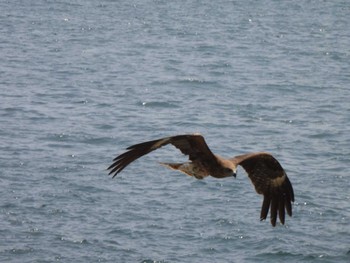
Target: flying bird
point(265, 172)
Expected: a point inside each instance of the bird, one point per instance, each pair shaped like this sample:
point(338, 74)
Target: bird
point(264, 171)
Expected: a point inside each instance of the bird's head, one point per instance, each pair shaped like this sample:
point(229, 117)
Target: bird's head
point(229, 172)
point(230, 168)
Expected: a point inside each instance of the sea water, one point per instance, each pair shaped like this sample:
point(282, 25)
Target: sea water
point(82, 80)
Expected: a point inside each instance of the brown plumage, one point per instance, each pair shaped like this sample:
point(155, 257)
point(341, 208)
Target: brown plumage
point(265, 172)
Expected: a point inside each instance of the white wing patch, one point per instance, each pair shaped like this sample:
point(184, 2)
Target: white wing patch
point(159, 144)
point(278, 181)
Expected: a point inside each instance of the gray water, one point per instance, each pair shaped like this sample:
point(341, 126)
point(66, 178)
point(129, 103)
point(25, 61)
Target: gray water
point(82, 80)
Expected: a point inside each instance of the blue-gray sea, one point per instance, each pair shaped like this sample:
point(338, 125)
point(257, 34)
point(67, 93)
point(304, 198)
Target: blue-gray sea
point(81, 80)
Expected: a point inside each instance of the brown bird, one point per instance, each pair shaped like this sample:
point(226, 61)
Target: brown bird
point(265, 172)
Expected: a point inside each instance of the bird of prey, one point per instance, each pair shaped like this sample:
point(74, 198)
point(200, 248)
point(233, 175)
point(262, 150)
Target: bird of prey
point(265, 172)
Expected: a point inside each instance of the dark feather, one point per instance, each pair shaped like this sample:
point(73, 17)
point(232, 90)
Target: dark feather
point(274, 205)
point(281, 211)
point(192, 145)
point(270, 180)
point(265, 207)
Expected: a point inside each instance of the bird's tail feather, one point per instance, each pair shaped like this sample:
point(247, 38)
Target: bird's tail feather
point(173, 166)
point(186, 168)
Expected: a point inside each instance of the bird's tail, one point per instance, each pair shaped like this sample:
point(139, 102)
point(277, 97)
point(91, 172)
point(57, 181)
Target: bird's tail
point(187, 168)
point(173, 166)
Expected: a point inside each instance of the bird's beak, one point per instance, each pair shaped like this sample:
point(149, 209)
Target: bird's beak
point(234, 175)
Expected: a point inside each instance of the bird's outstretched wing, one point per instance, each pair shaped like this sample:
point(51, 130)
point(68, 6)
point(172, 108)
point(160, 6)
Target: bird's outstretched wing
point(270, 180)
point(192, 145)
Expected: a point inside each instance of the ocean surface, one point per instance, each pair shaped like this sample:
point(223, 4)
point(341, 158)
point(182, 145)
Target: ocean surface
point(82, 80)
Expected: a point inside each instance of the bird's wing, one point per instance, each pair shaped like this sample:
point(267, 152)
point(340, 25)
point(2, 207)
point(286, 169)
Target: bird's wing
point(270, 180)
point(192, 145)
